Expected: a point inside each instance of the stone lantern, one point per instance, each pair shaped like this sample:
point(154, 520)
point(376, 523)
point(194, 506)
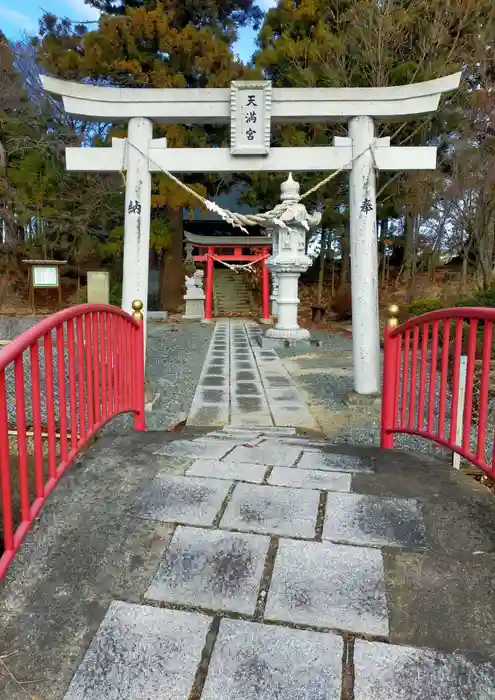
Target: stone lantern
point(289, 259)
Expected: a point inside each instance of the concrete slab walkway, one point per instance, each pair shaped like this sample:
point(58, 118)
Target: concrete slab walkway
point(243, 384)
point(253, 565)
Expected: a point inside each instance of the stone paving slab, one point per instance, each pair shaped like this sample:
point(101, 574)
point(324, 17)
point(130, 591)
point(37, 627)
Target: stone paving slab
point(212, 569)
point(375, 522)
point(308, 479)
point(334, 462)
point(307, 443)
point(202, 414)
point(277, 380)
point(141, 652)
point(182, 499)
point(213, 396)
point(273, 510)
point(297, 414)
point(329, 585)
point(207, 449)
point(288, 395)
point(253, 473)
point(251, 419)
point(244, 364)
point(283, 456)
point(248, 438)
point(275, 431)
point(386, 672)
point(241, 405)
point(249, 389)
point(239, 434)
point(214, 381)
point(263, 662)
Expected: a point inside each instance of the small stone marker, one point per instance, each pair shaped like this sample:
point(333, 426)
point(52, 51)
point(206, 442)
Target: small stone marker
point(98, 287)
point(141, 652)
point(261, 662)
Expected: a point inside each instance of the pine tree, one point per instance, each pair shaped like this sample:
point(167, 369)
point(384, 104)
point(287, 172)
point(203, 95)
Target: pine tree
point(166, 43)
point(361, 43)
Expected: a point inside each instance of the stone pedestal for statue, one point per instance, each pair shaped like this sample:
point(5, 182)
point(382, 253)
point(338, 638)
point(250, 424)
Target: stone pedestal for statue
point(289, 244)
point(195, 297)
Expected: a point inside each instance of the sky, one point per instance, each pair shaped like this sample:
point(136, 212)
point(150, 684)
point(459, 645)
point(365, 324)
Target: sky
point(22, 16)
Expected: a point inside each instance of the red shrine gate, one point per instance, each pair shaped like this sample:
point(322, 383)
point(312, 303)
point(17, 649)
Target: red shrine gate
point(212, 249)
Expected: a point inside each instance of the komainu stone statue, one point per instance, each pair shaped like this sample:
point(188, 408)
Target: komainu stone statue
point(195, 296)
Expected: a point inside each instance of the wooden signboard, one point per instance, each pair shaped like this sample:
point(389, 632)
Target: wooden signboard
point(44, 274)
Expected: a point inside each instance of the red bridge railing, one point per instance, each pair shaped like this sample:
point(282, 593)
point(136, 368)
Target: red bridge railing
point(60, 382)
point(422, 379)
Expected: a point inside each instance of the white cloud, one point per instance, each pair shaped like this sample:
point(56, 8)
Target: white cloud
point(81, 11)
point(18, 19)
point(267, 4)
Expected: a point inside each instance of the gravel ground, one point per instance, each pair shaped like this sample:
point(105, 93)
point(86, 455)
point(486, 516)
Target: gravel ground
point(175, 357)
point(326, 391)
point(176, 353)
point(11, 326)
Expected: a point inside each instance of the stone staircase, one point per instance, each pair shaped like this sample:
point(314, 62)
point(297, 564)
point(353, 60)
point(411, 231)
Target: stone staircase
point(231, 293)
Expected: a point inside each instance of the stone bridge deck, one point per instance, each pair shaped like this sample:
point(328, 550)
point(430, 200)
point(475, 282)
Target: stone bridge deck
point(257, 565)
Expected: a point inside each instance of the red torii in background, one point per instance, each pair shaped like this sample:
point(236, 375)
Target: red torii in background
point(210, 247)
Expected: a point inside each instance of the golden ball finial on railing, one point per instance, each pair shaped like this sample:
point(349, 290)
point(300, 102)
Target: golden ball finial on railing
point(393, 310)
point(137, 310)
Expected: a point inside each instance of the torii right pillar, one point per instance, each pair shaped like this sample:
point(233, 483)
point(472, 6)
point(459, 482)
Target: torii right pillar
point(364, 259)
point(368, 155)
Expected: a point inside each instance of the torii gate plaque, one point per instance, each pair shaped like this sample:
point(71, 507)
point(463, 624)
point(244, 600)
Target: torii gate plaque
point(250, 151)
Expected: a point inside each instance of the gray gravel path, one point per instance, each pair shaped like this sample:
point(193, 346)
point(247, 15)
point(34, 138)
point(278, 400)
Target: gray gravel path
point(11, 326)
point(176, 353)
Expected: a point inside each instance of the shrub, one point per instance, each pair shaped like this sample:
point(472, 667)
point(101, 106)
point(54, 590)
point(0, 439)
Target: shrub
point(116, 294)
point(485, 297)
point(423, 306)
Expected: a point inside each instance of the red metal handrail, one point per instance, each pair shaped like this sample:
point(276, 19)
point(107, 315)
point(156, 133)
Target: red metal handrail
point(93, 368)
point(417, 403)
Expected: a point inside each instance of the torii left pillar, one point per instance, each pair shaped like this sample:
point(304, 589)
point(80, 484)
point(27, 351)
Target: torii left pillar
point(137, 216)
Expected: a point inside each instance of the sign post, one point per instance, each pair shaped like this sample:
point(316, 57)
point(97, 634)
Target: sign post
point(456, 458)
point(44, 274)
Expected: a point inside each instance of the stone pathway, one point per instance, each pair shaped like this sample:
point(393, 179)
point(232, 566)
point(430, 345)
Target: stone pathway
point(242, 384)
point(273, 585)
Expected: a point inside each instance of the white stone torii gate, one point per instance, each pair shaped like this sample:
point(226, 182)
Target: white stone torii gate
point(250, 107)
